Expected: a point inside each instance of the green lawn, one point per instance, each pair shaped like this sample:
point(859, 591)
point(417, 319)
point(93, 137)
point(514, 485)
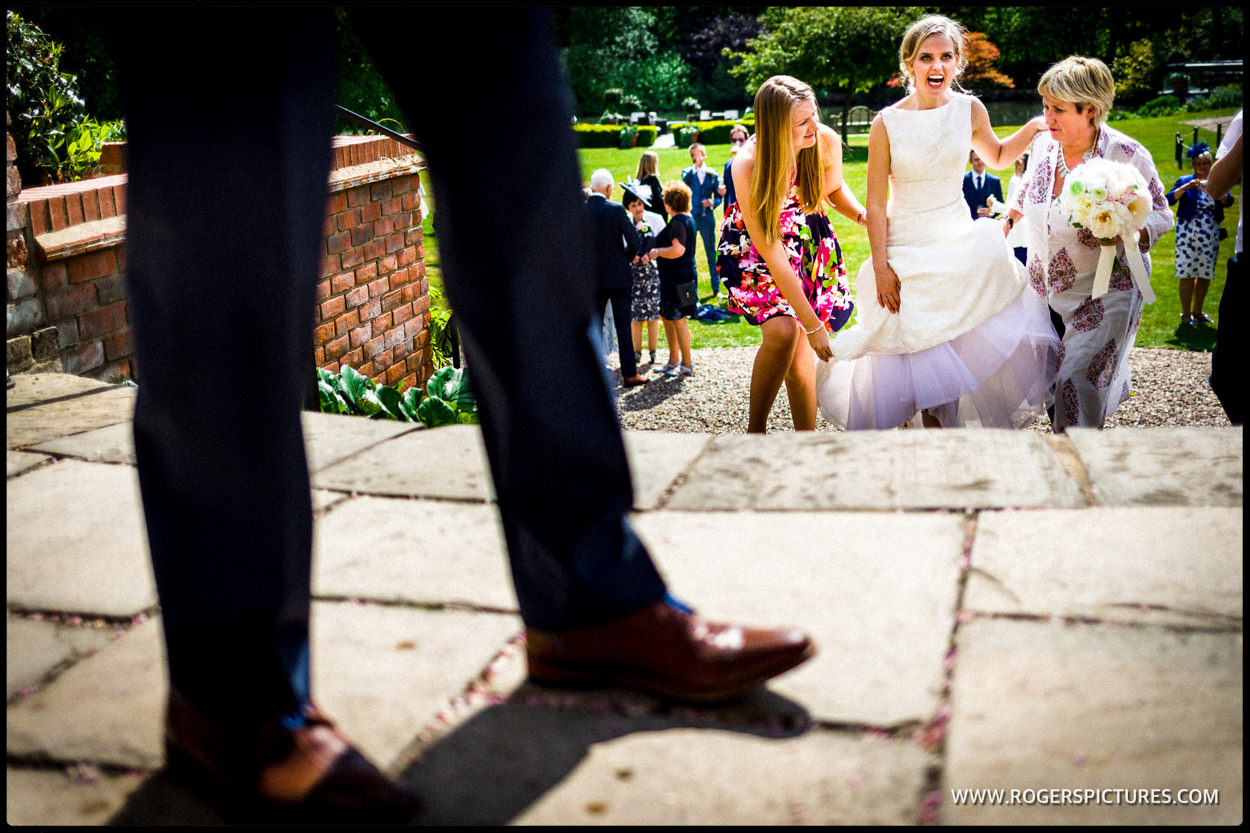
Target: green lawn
point(1160, 321)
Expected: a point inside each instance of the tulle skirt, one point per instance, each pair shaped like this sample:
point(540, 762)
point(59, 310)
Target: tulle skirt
point(996, 375)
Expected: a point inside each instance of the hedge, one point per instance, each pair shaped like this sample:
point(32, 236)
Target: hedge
point(609, 135)
point(717, 132)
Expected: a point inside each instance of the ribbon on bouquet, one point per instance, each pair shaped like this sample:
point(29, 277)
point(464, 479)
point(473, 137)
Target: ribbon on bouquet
point(1136, 267)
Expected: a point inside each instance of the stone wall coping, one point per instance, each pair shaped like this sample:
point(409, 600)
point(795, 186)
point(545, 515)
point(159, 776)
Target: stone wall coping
point(346, 178)
point(80, 239)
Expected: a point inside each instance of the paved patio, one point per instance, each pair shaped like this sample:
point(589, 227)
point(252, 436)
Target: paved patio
point(1055, 617)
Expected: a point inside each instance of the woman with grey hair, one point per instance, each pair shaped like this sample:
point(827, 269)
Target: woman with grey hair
point(1098, 332)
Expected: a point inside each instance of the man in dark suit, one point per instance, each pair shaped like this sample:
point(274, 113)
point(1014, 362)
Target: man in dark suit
point(615, 244)
point(225, 488)
point(979, 186)
point(704, 187)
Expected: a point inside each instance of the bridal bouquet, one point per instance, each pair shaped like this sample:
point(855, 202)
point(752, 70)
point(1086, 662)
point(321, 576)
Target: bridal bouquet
point(1112, 200)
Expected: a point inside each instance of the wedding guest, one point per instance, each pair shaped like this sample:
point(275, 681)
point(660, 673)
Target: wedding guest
point(738, 135)
point(1197, 234)
point(947, 333)
point(225, 490)
point(678, 279)
point(1098, 333)
point(778, 251)
point(616, 245)
point(647, 182)
point(645, 298)
point(704, 188)
point(1227, 381)
point(979, 186)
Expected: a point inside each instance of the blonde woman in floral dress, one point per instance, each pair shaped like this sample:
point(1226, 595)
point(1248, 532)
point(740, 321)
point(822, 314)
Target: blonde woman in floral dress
point(1098, 333)
point(779, 256)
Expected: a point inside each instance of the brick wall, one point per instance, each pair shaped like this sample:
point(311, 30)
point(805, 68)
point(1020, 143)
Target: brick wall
point(66, 308)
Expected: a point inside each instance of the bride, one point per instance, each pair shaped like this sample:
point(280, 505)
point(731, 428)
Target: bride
point(946, 336)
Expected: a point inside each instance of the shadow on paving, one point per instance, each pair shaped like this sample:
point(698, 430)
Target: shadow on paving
point(504, 759)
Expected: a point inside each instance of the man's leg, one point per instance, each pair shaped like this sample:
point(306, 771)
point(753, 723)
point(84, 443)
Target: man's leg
point(624, 332)
point(707, 230)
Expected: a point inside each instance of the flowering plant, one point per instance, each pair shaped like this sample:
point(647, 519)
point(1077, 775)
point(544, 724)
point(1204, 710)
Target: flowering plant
point(1112, 200)
point(1108, 198)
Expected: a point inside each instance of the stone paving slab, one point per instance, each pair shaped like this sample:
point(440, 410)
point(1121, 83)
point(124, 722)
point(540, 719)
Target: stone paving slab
point(80, 409)
point(75, 541)
point(55, 798)
point(1163, 466)
point(17, 462)
point(1180, 565)
point(331, 438)
point(876, 592)
point(657, 459)
point(108, 709)
point(1043, 705)
point(384, 673)
point(447, 462)
point(111, 444)
point(417, 551)
point(34, 648)
point(535, 766)
point(878, 470)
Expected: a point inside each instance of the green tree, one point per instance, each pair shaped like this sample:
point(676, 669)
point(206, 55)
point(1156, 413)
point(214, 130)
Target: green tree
point(849, 48)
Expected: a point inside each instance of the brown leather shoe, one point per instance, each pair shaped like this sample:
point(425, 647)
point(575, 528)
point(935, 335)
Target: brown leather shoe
point(272, 774)
point(668, 651)
point(634, 381)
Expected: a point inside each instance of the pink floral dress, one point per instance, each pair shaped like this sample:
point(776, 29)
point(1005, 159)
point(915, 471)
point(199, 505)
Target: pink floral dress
point(813, 250)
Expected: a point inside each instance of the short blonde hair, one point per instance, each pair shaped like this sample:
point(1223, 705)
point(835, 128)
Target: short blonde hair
point(916, 34)
point(677, 196)
point(1204, 156)
point(1082, 82)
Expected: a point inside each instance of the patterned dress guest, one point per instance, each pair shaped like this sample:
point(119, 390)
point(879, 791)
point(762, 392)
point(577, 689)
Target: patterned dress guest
point(778, 254)
point(1197, 235)
point(1098, 333)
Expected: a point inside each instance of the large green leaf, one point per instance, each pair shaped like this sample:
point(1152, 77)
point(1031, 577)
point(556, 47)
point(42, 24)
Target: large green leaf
point(391, 404)
point(331, 401)
point(435, 412)
point(409, 402)
point(355, 386)
point(452, 385)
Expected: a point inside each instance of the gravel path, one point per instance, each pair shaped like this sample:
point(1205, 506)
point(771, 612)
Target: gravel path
point(1169, 388)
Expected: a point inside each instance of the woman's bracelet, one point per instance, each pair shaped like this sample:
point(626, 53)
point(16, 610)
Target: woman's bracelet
point(1011, 223)
point(813, 329)
point(859, 221)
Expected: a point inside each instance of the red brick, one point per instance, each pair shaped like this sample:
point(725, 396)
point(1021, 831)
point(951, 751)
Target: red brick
point(337, 242)
point(414, 326)
point(383, 227)
point(337, 203)
point(402, 314)
point(110, 289)
point(387, 264)
point(70, 302)
point(60, 218)
point(370, 213)
point(54, 276)
point(373, 347)
point(319, 357)
point(373, 250)
point(336, 305)
point(40, 221)
point(366, 273)
point(394, 373)
point(358, 196)
point(119, 345)
point(78, 361)
point(353, 358)
point(329, 265)
point(347, 321)
point(380, 191)
point(347, 220)
point(393, 338)
point(406, 255)
point(393, 207)
point(107, 207)
point(420, 303)
point(362, 235)
point(323, 290)
point(380, 324)
point(353, 257)
point(357, 296)
point(342, 282)
point(399, 279)
point(324, 333)
point(119, 199)
point(394, 243)
point(91, 208)
point(378, 288)
point(99, 322)
point(335, 349)
point(403, 184)
point(327, 227)
point(370, 310)
point(360, 335)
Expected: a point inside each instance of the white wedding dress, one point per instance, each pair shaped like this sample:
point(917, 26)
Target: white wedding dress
point(968, 343)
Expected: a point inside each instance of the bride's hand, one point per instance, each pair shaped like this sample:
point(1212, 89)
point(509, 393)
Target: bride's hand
point(888, 288)
point(819, 340)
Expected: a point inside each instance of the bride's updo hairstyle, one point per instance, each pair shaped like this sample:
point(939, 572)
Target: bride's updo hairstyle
point(923, 28)
point(775, 160)
point(1083, 83)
